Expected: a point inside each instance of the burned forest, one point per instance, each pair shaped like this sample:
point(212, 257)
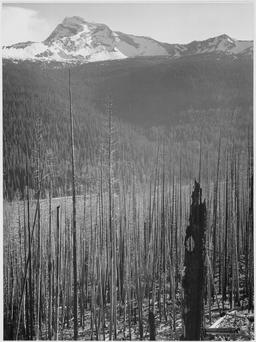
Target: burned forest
point(128, 196)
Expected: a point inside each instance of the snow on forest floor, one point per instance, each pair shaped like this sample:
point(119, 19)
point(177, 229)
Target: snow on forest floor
point(237, 319)
point(233, 318)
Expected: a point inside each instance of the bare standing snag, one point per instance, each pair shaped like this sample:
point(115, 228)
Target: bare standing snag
point(193, 281)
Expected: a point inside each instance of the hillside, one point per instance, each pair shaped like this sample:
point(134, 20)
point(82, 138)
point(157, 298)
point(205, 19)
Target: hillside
point(128, 187)
point(180, 97)
point(148, 91)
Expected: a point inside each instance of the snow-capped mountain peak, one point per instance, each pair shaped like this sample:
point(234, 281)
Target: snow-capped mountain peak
point(76, 40)
point(69, 27)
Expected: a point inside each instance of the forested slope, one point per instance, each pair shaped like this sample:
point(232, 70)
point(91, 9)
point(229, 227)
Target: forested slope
point(179, 99)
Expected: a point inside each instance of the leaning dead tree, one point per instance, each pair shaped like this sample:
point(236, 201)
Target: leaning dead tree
point(193, 280)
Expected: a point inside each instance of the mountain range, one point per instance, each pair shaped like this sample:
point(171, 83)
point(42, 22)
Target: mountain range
point(78, 41)
point(175, 90)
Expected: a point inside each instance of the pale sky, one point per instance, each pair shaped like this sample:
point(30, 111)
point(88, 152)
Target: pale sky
point(166, 22)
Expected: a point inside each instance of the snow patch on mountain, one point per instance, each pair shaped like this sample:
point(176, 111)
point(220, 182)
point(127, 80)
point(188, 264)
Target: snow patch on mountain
point(27, 52)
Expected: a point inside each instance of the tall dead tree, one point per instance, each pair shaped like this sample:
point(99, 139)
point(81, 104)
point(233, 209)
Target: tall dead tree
point(31, 299)
point(57, 275)
point(215, 200)
point(194, 277)
point(50, 265)
point(74, 213)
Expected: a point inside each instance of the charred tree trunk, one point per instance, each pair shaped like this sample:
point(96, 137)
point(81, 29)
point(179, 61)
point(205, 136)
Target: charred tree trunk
point(152, 326)
point(194, 277)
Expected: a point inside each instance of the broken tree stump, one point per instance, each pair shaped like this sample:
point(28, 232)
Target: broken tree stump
point(194, 264)
point(152, 326)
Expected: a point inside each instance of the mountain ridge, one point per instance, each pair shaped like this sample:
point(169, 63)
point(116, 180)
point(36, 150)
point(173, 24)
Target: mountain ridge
point(75, 40)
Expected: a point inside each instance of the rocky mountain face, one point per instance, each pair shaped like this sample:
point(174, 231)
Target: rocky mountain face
point(78, 41)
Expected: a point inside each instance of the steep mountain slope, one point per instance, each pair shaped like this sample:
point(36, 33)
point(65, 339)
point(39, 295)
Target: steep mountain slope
point(147, 91)
point(179, 95)
point(75, 40)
